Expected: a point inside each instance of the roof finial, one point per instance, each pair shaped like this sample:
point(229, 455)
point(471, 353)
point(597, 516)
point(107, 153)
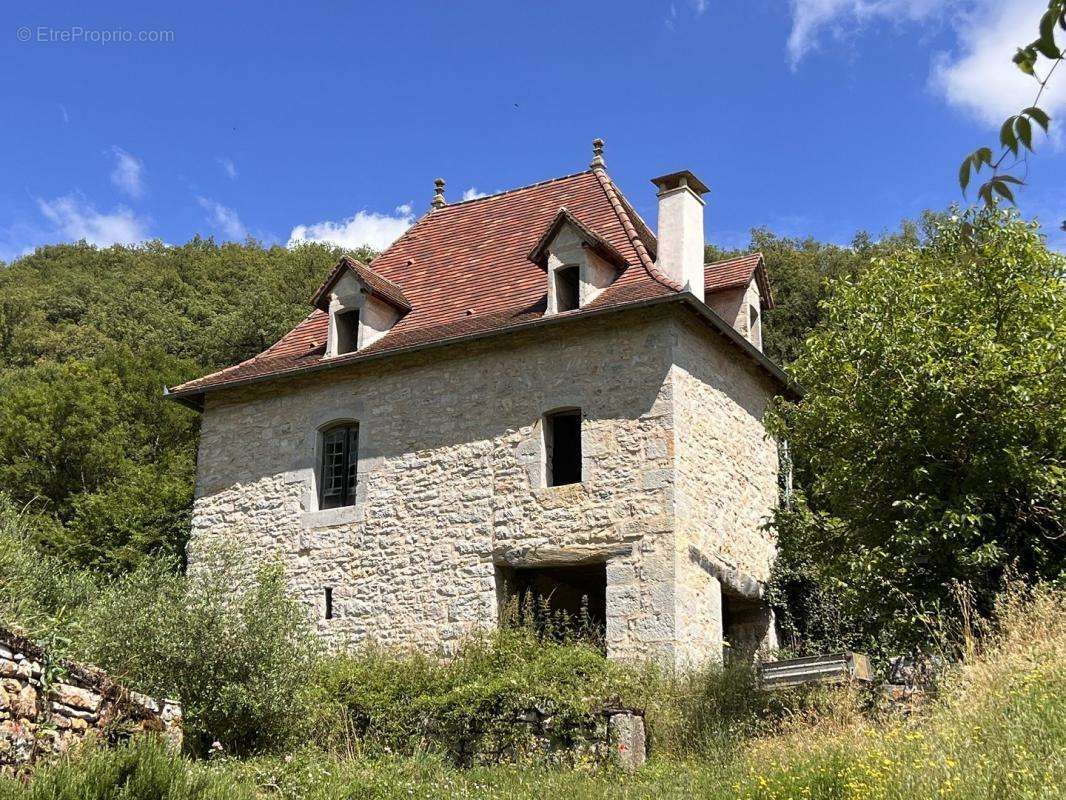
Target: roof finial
point(438, 194)
point(597, 155)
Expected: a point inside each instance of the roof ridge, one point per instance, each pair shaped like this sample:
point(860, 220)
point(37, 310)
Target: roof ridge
point(613, 198)
point(376, 274)
point(752, 254)
point(511, 191)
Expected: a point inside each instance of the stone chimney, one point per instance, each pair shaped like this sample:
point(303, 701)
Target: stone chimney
point(681, 229)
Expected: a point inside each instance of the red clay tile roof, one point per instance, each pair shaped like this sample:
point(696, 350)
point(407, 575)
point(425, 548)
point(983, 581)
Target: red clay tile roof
point(382, 287)
point(464, 269)
point(734, 272)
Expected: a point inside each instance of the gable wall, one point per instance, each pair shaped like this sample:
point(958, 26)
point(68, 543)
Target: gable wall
point(732, 306)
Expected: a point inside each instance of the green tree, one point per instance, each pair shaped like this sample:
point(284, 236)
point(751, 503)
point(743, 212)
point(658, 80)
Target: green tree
point(88, 338)
point(931, 436)
point(800, 270)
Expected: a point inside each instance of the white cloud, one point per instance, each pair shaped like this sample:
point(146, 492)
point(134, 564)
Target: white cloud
point(223, 218)
point(700, 6)
point(228, 167)
point(365, 228)
point(73, 218)
point(63, 112)
point(127, 172)
point(976, 76)
point(813, 18)
point(980, 78)
point(473, 194)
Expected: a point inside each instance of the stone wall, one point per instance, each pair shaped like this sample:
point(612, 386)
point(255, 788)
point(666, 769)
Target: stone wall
point(45, 706)
point(451, 480)
point(727, 470)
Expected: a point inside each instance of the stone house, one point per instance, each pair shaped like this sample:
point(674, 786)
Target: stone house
point(527, 392)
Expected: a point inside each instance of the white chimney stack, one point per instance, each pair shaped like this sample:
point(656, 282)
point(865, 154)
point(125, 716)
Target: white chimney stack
point(681, 229)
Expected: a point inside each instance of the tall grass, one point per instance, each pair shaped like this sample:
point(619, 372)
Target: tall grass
point(144, 770)
point(998, 730)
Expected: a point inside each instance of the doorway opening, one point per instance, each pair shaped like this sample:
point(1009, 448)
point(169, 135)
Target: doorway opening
point(558, 600)
point(744, 627)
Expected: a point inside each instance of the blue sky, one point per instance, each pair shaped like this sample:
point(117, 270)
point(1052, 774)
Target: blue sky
point(331, 120)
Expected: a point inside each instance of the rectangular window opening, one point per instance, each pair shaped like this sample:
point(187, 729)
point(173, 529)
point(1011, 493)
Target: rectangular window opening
point(744, 626)
point(562, 437)
point(338, 472)
point(754, 327)
point(567, 289)
point(329, 602)
point(347, 331)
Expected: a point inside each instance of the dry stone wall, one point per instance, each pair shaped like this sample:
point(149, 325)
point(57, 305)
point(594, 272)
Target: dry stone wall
point(46, 706)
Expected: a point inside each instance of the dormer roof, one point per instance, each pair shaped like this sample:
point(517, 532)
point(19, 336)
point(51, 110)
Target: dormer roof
point(377, 285)
point(735, 272)
point(539, 254)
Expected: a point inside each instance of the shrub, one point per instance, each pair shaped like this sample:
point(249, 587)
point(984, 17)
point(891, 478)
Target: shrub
point(702, 711)
point(38, 593)
point(929, 439)
point(506, 695)
point(140, 770)
point(235, 651)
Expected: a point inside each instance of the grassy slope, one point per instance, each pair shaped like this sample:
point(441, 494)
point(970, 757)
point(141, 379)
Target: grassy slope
point(998, 731)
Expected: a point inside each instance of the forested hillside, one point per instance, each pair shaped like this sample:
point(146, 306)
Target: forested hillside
point(88, 339)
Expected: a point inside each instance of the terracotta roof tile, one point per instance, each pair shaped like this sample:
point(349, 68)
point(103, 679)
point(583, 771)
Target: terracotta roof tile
point(734, 272)
point(465, 269)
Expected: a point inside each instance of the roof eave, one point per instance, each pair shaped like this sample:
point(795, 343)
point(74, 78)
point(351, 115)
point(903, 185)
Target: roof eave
point(194, 398)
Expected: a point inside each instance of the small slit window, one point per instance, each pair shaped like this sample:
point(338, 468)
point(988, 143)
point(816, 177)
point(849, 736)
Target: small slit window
point(562, 438)
point(567, 289)
point(328, 602)
point(337, 473)
point(347, 331)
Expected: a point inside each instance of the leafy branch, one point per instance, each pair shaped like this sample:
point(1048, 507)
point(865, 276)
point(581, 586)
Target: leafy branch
point(1016, 133)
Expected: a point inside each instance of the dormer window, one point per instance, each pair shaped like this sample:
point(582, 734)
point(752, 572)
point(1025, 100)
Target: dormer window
point(347, 331)
point(362, 306)
point(578, 262)
point(567, 288)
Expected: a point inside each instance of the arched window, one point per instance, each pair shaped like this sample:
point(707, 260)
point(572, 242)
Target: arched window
point(337, 471)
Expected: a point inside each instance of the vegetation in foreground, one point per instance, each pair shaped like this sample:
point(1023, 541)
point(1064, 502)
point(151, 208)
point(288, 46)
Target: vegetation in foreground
point(998, 729)
point(930, 445)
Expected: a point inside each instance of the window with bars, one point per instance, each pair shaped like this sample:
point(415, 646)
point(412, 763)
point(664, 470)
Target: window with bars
point(337, 475)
